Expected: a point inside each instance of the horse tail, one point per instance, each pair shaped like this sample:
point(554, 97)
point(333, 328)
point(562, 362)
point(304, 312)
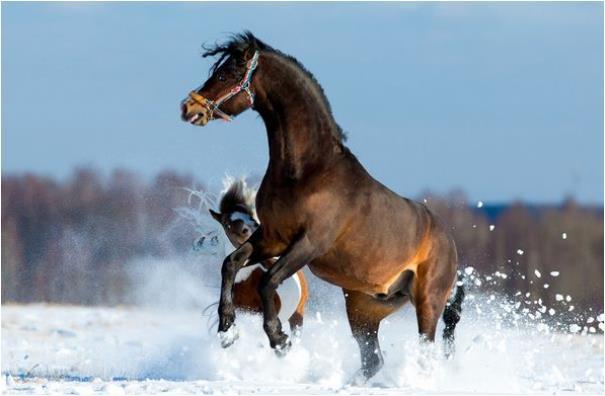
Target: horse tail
point(451, 315)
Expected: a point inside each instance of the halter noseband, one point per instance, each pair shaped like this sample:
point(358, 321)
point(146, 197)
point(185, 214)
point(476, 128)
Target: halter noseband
point(244, 85)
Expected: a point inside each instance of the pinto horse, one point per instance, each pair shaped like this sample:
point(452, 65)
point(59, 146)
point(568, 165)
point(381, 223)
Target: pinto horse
point(237, 217)
point(318, 206)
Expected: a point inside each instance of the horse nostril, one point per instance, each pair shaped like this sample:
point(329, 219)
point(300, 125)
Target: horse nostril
point(184, 111)
point(246, 231)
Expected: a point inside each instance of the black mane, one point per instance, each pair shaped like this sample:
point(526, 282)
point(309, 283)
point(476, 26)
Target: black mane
point(237, 198)
point(235, 47)
point(239, 43)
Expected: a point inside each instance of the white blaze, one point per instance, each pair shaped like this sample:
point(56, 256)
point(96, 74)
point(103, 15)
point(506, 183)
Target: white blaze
point(246, 218)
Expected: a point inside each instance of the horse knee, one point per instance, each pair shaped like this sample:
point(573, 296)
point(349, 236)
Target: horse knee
point(236, 260)
point(228, 267)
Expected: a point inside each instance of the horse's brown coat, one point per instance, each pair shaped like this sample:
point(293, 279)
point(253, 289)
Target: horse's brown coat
point(319, 206)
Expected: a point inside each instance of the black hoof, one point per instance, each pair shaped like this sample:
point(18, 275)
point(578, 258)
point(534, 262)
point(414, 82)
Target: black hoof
point(226, 321)
point(228, 337)
point(282, 345)
point(449, 349)
point(282, 350)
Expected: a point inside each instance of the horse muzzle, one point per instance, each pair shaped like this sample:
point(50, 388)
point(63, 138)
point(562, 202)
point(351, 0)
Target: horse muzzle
point(194, 114)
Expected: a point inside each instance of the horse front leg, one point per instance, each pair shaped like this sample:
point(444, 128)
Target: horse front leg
point(297, 256)
point(226, 308)
point(250, 252)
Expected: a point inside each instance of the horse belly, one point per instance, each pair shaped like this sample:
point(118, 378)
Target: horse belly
point(373, 274)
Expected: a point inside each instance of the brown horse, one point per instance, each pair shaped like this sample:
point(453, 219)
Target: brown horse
point(237, 217)
point(319, 206)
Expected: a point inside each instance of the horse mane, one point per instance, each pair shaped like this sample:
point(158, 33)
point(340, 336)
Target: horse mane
point(241, 42)
point(237, 198)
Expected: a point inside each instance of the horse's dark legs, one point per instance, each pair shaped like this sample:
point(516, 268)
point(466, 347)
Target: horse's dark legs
point(451, 317)
point(365, 313)
point(298, 255)
point(250, 251)
point(232, 263)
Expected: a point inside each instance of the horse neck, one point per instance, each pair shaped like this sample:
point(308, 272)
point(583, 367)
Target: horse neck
point(300, 126)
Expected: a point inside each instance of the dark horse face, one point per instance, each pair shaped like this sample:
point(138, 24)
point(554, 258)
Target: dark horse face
point(228, 91)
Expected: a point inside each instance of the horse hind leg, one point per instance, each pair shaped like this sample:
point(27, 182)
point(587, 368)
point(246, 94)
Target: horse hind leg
point(365, 314)
point(451, 317)
point(296, 320)
point(432, 287)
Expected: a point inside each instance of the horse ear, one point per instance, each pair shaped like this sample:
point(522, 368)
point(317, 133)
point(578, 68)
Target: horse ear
point(248, 53)
point(216, 216)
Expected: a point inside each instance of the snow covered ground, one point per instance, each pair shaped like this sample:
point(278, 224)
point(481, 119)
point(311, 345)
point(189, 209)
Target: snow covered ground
point(49, 349)
point(167, 343)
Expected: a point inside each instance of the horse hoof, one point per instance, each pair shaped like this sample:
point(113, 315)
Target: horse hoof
point(359, 378)
point(296, 335)
point(228, 337)
point(449, 349)
point(282, 349)
point(226, 320)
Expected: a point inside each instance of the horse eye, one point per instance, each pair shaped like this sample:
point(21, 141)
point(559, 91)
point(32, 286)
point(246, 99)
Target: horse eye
point(221, 77)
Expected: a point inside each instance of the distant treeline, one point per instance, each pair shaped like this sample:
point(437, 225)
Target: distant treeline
point(71, 241)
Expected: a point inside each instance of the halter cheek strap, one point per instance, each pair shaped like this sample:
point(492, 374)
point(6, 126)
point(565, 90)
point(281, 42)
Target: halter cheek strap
point(214, 106)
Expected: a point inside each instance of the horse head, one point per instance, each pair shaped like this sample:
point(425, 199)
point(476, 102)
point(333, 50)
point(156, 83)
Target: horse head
point(237, 215)
point(230, 89)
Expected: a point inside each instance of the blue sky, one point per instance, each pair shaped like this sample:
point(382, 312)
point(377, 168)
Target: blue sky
point(504, 101)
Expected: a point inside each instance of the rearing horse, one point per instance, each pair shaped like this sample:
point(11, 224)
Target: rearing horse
point(318, 206)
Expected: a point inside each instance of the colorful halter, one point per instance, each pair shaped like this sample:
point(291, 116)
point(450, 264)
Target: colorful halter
point(244, 85)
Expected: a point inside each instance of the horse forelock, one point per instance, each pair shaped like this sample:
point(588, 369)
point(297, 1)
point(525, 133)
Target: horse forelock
point(238, 197)
point(235, 47)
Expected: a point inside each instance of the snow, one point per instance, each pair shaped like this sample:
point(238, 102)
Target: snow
point(167, 343)
point(128, 350)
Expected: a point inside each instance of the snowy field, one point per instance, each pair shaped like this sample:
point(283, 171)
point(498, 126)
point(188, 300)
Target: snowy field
point(166, 342)
point(48, 349)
